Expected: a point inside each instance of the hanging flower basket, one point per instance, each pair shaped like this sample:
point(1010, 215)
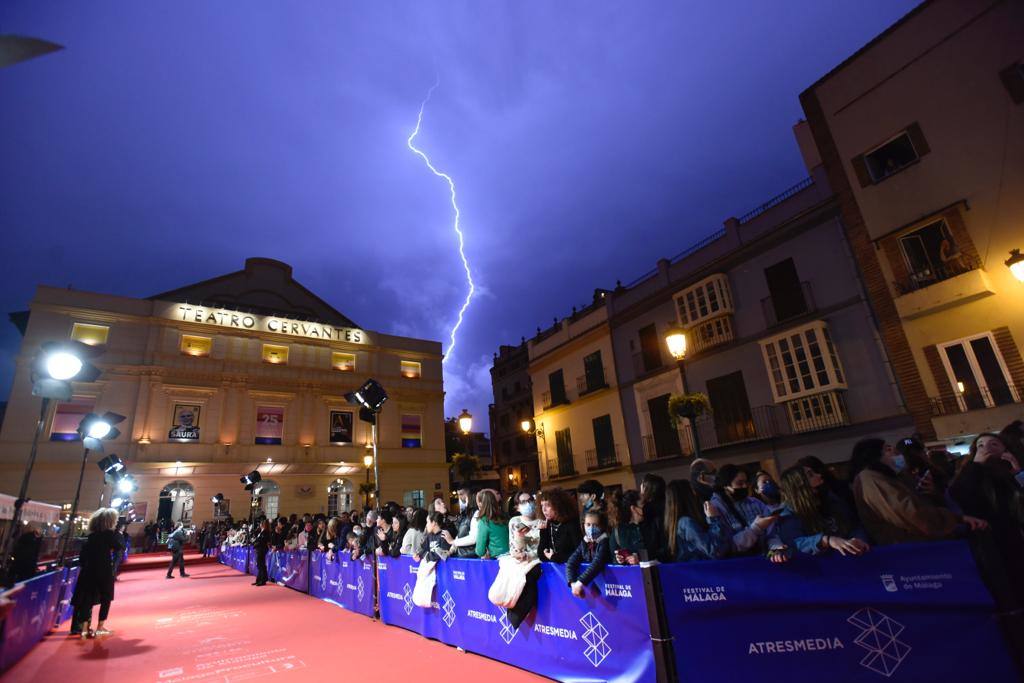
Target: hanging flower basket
point(687, 406)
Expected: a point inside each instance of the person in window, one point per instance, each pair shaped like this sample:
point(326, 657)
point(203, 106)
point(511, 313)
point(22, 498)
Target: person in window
point(990, 485)
point(890, 510)
point(807, 525)
point(766, 490)
point(751, 522)
point(95, 584)
point(594, 550)
point(492, 530)
point(414, 535)
point(694, 529)
point(559, 527)
point(626, 514)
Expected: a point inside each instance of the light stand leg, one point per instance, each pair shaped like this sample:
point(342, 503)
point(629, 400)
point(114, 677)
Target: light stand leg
point(74, 508)
point(12, 531)
point(376, 471)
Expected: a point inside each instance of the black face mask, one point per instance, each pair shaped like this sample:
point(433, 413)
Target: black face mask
point(740, 494)
point(702, 489)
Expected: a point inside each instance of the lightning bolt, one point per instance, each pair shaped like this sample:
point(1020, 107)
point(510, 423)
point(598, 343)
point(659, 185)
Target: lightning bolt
point(455, 208)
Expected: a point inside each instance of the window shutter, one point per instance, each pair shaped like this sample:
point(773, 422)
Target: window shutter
point(861, 169)
point(1010, 352)
point(1013, 80)
point(917, 138)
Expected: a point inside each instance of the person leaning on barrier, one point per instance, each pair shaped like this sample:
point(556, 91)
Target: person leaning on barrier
point(695, 529)
point(594, 550)
point(702, 478)
point(806, 525)
point(559, 526)
point(396, 534)
point(750, 521)
point(890, 510)
point(625, 515)
point(492, 530)
point(766, 489)
point(463, 541)
point(414, 535)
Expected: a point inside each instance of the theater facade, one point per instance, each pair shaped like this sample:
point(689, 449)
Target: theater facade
point(240, 372)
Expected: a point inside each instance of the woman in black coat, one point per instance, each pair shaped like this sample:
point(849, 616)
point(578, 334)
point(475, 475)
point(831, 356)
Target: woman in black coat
point(560, 529)
point(95, 584)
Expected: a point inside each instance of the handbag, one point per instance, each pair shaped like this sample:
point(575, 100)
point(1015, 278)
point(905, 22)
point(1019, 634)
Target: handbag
point(508, 584)
point(426, 578)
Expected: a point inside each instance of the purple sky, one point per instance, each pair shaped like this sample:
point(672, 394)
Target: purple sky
point(586, 140)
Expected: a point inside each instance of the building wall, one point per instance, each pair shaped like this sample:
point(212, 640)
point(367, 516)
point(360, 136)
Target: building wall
point(939, 68)
point(515, 451)
point(145, 373)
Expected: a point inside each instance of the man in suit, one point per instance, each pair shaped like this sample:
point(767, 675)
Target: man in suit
point(261, 543)
point(176, 543)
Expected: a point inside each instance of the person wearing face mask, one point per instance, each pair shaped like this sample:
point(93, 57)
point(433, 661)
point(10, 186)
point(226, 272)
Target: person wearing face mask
point(521, 562)
point(766, 490)
point(890, 510)
point(463, 544)
point(590, 496)
point(751, 522)
point(702, 478)
point(626, 514)
point(594, 550)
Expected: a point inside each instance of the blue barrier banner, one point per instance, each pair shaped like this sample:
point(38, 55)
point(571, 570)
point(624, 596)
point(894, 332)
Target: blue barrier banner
point(235, 557)
point(344, 582)
point(915, 612)
point(69, 576)
point(276, 560)
point(604, 636)
point(31, 618)
point(289, 567)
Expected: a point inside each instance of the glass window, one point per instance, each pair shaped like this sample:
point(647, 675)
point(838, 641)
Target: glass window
point(707, 298)
point(895, 154)
point(412, 433)
point(276, 355)
point(343, 362)
point(93, 335)
point(978, 372)
point(196, 346)
point(801, 362)
point(415, 499)
point(411, 369)
point(67, 418)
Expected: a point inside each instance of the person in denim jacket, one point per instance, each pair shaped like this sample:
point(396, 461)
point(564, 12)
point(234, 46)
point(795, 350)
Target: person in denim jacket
point(694, 529)
point(751, 522)
point(805, 523)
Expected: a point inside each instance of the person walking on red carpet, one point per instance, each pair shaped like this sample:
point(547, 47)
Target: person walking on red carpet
point(261, 543)
point(176, 544)
point(95, 584)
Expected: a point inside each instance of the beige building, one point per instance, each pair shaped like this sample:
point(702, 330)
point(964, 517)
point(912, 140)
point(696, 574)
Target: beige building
point(577, 414)
point(922, 136)
point(241, 372)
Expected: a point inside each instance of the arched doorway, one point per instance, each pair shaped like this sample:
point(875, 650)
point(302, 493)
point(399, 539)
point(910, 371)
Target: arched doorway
point(270, 498)
point(339, 497)
point(177, 501)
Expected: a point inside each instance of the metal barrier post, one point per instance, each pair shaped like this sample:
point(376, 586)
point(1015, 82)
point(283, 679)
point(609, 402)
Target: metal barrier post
point(661, 639)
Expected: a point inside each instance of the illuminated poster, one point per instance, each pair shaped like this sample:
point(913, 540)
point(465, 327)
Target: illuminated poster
point(67, 418)
point(341, 426)
point(185, 423)
point(269, 425)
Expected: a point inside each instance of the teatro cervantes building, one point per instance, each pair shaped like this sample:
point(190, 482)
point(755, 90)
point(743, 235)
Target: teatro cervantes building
point(244, 371)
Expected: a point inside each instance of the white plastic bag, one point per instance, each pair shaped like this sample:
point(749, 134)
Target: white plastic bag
point(508, 584)
point(426, 577)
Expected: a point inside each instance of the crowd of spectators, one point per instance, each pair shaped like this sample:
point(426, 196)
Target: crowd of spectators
point(893, 493)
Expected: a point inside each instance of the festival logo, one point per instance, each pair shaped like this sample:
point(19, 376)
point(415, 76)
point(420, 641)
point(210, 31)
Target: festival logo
point(448, 607)
point(595, 636)
point(879, 636)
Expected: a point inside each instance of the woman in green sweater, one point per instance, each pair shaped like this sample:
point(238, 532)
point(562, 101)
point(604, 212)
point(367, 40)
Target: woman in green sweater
point(492, 528)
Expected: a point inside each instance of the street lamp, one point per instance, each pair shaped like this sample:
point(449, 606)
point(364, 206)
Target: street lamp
point(675, 339)
point(465, 422)
point(526, 426)
point(1016, 264)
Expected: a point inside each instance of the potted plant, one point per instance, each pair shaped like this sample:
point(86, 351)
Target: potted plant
point(689, 406)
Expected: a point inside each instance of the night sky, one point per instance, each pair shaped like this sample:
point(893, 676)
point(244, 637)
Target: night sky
point(167, 143)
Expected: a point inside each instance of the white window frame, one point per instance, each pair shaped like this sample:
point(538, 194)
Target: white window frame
point(828, 356)
point(800, 411)
point(718, 286)
point(979, 377)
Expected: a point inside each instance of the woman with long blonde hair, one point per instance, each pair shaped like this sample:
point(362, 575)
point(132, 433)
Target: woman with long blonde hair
point(95, 584)
point(805, 525)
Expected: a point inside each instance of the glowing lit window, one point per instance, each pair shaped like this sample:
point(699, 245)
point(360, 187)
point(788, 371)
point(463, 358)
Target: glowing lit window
point(343, 362)
point(67, 418)
point(277, 355)
point(411, 369)
point(196, 346)
point(93, 335)
point(412, 433)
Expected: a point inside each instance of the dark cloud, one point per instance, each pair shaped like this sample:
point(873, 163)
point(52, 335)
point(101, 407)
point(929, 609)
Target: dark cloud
point(587, 139)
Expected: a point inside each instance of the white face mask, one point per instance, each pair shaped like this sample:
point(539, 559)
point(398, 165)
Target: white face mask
point(526, 509)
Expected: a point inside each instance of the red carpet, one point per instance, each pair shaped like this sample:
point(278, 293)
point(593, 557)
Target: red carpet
point(154, 560)
point(215, 626)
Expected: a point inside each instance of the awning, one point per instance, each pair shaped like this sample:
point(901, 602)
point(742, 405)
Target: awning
point(31, 511)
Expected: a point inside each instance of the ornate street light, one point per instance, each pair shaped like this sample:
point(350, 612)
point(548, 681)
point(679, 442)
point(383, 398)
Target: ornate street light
point(675, 339)
point(1016, 264)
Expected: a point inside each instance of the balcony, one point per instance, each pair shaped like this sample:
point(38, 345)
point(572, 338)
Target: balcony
point(711, 333)
point(817, 412)
point(668, 444)
point(763, 423)
point(561, 466)
point(930, 292)
point(981, 399)
point(595, 381)
point(547, 402)
point(778, 312)
point(976, 412)
point(603, 459)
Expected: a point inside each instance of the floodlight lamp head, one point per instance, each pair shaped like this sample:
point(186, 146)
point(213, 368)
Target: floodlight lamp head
point(126, 485)
point(371, 395)
point(111, 465)
point(251, 478)
point(218, 499)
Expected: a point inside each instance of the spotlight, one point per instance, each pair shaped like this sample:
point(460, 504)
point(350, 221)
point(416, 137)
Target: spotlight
point(126, 485)
point(58, 364)
point(111, 465)
point(370, 396)
point(118, 501)
point(251, 478)
point(218, 499)
point(95, 428)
